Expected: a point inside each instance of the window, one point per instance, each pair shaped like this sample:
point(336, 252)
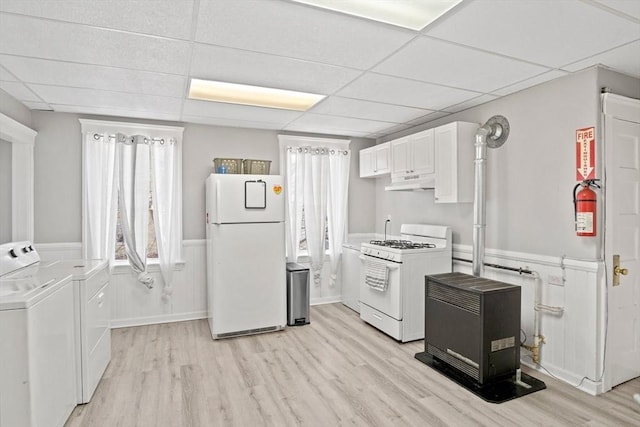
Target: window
point(302, 245)
point(316, 180)
point(157, 153)
point(152, 244)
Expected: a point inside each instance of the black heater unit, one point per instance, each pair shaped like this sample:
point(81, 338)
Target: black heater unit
point(472, 334)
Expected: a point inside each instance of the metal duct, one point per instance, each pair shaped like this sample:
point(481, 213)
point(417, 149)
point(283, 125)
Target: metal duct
point(493, 133)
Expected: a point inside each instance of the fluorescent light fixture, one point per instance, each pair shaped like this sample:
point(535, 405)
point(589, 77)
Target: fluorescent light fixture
point(233, 93)
point(412, 14)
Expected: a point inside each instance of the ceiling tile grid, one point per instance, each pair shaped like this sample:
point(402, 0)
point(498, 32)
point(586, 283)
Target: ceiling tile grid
point(135, 58)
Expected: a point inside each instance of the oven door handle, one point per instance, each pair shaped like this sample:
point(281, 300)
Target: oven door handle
point(389, 265)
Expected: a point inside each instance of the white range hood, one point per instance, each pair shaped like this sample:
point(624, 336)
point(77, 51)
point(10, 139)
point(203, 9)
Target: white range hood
point(412, 185)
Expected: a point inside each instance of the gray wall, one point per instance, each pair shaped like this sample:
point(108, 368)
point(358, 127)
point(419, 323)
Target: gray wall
point(14, 109)
point(530, 178)
point(58, 178)
point(5, 191)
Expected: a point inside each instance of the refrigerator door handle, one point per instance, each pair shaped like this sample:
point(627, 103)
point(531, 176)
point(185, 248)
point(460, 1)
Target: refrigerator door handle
point(216, 220)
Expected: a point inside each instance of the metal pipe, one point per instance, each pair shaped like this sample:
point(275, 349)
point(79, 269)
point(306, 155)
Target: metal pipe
point(479, 202)
point(518, 270)
point(494, 133)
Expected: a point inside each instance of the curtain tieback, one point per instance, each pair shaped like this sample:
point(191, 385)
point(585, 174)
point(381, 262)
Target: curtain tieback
point(146, 280)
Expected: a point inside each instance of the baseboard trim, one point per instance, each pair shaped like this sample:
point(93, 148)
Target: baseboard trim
point(154, 320)
point(325, 300)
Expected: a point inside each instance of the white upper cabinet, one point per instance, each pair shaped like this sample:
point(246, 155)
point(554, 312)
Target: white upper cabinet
point(413, 156)
point(375, 161)
point(454, 148)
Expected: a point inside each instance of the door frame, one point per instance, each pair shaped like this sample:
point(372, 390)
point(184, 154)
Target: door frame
point(614, 107)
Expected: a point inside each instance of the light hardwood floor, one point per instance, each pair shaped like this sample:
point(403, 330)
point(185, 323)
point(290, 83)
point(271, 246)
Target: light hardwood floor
point(336, 371)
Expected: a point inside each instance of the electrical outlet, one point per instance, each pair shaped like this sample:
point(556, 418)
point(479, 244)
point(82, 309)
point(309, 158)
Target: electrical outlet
point(555, 280)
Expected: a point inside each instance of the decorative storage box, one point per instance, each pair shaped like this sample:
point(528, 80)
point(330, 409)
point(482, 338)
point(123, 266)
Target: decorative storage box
point(227, 165)
point(256, 167)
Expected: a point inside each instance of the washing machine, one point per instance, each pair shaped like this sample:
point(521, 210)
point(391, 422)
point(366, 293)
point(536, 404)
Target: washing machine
point(37, 340)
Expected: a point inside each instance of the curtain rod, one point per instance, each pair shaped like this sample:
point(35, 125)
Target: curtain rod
point(317, 150)
point(138, 139)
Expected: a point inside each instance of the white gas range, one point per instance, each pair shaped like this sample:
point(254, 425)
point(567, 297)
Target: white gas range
point(392, 278)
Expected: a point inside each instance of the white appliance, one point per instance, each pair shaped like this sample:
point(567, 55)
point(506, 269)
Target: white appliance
point(37, 372)
point(90, 279)
point(350, 275)
point(392, 278)
point(246, 265)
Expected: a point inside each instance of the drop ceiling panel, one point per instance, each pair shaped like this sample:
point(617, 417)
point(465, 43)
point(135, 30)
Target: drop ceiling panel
point(231, 122)
point(545, 77)
point(161, 18)
point(107, 99)
point(356, 108)
point(439, 62)
point(428, 118)
point(482, 99)
point(222, 110)
point(405, 92)
point(19, 91)
point(37, 105)
point(134, 58)
point(312, 122)
point(78, 43)
point(625, 59)
point(6, 76)
point(628, 7)
point(298, 31)
point(547, 32)
point(94, 76)
point(122, 112)
point(241, 66)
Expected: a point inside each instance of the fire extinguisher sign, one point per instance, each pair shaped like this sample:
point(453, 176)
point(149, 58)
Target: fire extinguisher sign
point(585, 154)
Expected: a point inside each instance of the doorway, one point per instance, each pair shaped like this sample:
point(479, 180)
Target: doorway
point(622, 238)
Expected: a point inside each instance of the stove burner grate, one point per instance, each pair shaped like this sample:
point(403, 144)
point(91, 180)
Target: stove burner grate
point(401, 244)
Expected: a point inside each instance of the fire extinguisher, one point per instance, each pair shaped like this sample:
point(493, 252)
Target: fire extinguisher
point(584, 207)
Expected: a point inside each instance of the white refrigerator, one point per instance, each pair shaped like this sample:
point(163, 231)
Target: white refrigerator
point(246, 265)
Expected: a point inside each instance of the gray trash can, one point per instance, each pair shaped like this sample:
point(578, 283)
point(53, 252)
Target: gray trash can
point(297, 294)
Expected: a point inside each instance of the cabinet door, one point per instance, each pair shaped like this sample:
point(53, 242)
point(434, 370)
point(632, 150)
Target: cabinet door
point(382, 163)
point(366, 163)
point(400, 157)
point(422, 152)
point(446, 145)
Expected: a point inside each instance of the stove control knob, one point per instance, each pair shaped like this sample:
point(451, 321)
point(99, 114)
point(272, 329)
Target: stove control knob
point(12, 253)
point(392, 256)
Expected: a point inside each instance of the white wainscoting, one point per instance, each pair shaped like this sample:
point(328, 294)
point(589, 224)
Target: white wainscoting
point(133, 304)
point(574, 340)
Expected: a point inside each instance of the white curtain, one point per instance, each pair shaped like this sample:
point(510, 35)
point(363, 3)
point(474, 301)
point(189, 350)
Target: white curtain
point(317, 180)
point(164, 173)
point(133, 201)
point(122, 172)
point(100, 194)
point(337, 212)
point(294, 189)
point(316, 174)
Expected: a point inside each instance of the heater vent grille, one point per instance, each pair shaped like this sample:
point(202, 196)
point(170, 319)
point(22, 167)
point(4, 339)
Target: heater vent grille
point(464, 300)
point(454, 361)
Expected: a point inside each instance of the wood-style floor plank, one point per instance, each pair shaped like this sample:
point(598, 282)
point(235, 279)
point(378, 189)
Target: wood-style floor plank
point(336, 371)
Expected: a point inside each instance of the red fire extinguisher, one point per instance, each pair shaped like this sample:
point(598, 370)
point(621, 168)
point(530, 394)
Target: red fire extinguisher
point(584, 207)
